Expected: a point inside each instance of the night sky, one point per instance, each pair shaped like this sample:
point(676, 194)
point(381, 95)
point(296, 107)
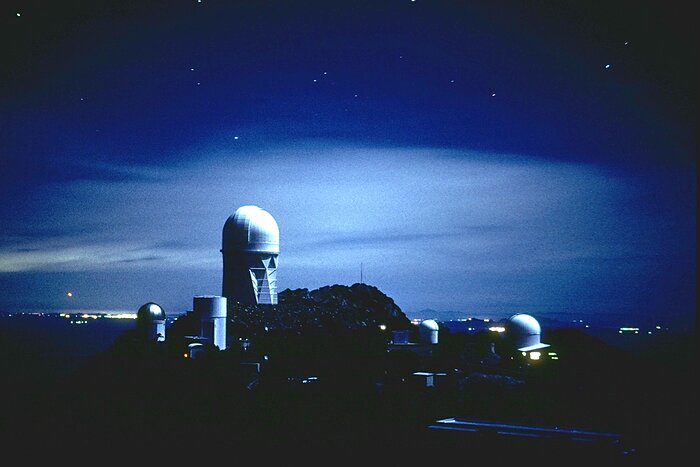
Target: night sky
point(480, 157)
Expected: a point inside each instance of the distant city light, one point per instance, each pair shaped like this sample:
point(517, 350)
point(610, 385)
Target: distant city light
point(121, 316)
point(69, 294)
point(497, 329)
point(382, 327)
point(535, 355)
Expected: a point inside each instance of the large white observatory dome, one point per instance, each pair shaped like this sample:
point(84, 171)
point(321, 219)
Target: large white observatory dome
point(523, 325)
point(251, 229)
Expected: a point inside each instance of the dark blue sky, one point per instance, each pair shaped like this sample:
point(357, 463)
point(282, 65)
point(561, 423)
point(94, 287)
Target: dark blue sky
point(482, 157)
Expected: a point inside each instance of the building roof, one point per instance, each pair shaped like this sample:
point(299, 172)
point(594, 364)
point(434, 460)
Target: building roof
point(429, 324)
point(532, 347)
point(251, 229)
point(523, 325)
point(150, 311)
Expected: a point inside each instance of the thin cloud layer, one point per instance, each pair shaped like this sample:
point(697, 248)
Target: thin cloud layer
point(432, 228)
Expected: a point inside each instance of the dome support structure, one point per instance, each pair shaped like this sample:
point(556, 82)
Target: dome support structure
point(250, 249)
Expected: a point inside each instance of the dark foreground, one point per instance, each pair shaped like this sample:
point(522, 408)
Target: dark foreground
point(331, 398)
point(179, 412)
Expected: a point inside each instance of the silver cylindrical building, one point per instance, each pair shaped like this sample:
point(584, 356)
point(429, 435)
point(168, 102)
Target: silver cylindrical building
point(211, 310)
point(250, 248)
point(150, 318)
point(428, 331)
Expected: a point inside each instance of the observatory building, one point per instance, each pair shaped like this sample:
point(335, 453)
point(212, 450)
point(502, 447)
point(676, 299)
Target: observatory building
point(150, 320)
point(428, 331)
point(523, 332)
point(250, 247)
point(211, 310)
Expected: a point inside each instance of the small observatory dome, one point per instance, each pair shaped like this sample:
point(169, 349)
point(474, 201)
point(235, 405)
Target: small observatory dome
point(523, 325)
point(150, 312)
point(524, 331)
point(150, 319)
point(251, 229)
point(428, 331)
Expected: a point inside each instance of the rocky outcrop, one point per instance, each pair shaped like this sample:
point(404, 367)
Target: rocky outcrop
point(334, 307)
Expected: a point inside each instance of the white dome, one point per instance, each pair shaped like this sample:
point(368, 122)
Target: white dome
point(523, 325)
point(150, 311)
point(429, 325)
point(251, 229)
point(428, 331)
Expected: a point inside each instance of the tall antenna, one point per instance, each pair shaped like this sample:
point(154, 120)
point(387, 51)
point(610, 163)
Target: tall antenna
point(361, 273)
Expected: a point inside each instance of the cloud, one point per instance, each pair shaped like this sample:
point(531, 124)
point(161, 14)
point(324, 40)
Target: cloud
point(435, 227)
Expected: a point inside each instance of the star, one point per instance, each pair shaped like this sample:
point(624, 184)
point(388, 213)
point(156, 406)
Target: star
point(235, 137)
point(607, 66)
point(493, 95)
point(314, 81)
point(19, 14)
point(191, 69)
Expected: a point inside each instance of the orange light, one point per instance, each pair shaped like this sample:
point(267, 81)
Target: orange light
point(185, 355)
